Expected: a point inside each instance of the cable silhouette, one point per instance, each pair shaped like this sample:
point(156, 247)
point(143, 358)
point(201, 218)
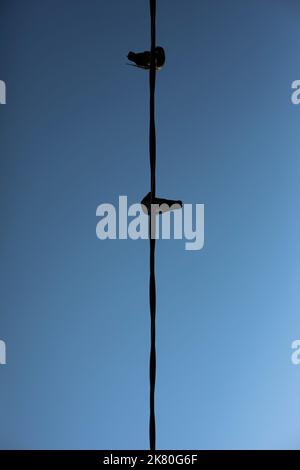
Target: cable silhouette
point(152, 60)
point(152, 285)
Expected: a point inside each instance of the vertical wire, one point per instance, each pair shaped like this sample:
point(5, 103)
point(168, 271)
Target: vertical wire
point(152, 286)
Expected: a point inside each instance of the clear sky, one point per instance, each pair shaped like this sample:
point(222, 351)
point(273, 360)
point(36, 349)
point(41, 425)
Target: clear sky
point(73, 309)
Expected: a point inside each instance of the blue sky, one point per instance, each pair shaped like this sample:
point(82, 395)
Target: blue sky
point(73, 309)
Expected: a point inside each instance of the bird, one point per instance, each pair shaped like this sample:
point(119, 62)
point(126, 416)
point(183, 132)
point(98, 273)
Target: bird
point(161, 205)
point(143, 59)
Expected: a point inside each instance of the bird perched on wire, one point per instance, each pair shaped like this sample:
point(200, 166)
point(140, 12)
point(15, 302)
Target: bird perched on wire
point(160, 205)
point(143, 59)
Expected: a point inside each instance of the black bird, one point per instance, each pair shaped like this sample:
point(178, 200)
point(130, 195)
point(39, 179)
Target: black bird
point(143, 59)
point(165, 205)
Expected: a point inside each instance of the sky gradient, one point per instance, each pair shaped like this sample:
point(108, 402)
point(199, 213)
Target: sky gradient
point(73, 309)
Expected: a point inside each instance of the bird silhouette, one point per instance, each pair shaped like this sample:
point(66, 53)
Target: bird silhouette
point(164, 205)
point(143, 59)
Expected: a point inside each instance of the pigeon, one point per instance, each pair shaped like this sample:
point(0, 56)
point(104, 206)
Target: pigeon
point(143, 59)
point(164, 205)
